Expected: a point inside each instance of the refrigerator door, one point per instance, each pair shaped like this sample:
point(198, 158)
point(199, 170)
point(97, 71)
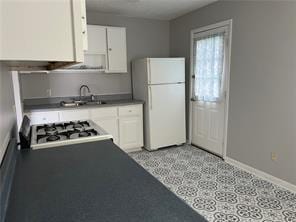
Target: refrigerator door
point(166, 116)
point(166, 70)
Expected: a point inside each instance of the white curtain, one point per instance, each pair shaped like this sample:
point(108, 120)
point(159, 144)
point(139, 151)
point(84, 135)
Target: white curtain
point(208, 67)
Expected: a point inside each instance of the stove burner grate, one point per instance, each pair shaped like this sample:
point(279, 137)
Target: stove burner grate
point(50, 128)
point(52, 138)
point(77, 125)
point(84, 134)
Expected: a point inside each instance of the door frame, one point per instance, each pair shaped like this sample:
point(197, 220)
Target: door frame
point(228, 24)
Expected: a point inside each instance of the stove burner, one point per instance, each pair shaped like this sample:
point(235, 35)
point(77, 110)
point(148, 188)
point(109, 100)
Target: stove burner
point(50, 128)
point(77, 125)
point(84, 134)
point(53, 138)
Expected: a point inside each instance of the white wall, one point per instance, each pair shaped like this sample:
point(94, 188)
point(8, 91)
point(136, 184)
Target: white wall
point(262, 108)
point(145, 37)
point(7, 113)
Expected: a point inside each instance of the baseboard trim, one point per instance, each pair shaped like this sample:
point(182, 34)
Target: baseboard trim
point(262, 175)
point(130, 150)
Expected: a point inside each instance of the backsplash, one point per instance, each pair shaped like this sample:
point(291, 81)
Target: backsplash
point(68, 84)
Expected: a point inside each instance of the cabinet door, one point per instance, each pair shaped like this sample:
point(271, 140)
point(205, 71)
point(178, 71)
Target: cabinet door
point(97, 43)
point(43, 117)
point(50, 30)
point(116, 40)
point(110, 125)
point(71, 115)
point(131, 132)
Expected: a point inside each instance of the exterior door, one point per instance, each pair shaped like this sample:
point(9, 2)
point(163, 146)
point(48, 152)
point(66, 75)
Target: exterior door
point(210, 88)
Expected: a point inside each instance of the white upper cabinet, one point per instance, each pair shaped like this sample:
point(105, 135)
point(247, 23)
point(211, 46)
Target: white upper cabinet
point(97, 39)
point(84, 25)
point(106, 50)
point(116, 42)
point(42, 34)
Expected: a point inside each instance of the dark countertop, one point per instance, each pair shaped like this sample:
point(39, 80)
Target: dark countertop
point(90, 182)
point(57, 106)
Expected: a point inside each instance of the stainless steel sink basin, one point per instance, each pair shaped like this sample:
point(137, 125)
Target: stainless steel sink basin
point(76, 103)
point(97, 102)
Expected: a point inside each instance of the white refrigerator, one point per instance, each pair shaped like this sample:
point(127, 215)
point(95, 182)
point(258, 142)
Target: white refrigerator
point(160, 82)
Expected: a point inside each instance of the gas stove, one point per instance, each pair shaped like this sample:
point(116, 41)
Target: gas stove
point(65, 133)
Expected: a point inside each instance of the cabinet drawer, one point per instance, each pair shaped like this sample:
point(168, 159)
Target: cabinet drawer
point(103, 112)
point(130, 110)
point(72, 115)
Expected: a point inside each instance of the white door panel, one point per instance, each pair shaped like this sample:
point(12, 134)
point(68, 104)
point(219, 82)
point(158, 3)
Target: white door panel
point(166, 115)
point(201, 120)
point(166, 70)
point(208, 125)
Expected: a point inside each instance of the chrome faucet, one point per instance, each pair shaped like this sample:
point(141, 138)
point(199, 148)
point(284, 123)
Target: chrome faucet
point(81, 88)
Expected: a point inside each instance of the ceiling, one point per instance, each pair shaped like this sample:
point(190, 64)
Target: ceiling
point(154, 9)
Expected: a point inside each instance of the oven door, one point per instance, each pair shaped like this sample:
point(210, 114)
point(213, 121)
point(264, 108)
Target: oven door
point(25, 133)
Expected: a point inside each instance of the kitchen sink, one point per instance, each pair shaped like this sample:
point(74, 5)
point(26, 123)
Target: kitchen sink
point(76, 103)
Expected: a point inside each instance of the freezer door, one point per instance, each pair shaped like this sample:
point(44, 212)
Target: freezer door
point(166, 116)
point(166, 70)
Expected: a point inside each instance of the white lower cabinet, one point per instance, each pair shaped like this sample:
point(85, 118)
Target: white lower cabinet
point(107, 119)
point(124, 123)
point(131, 132)
point(110, 126)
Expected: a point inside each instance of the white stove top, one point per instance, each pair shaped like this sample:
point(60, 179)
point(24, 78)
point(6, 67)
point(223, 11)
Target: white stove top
point(66, 133)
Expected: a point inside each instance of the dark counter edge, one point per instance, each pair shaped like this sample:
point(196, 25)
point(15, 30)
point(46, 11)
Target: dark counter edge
point(7, 169)
point(57, 106)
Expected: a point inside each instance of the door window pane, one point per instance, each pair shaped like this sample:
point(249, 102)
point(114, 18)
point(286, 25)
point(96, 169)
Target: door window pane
point(208, 67)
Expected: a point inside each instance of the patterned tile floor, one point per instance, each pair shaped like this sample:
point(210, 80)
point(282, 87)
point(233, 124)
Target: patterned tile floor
point(217, 190)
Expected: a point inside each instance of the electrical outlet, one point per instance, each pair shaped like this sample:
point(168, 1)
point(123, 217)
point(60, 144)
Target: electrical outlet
point(48, 92)
point(273, 156)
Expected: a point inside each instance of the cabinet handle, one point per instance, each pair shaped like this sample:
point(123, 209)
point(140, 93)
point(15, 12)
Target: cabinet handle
point(83, 32)
point(110, 49)
point(82, 17)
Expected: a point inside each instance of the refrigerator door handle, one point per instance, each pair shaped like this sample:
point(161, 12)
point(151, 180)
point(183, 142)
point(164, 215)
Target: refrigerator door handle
point(149, 72)
point(150, 98)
